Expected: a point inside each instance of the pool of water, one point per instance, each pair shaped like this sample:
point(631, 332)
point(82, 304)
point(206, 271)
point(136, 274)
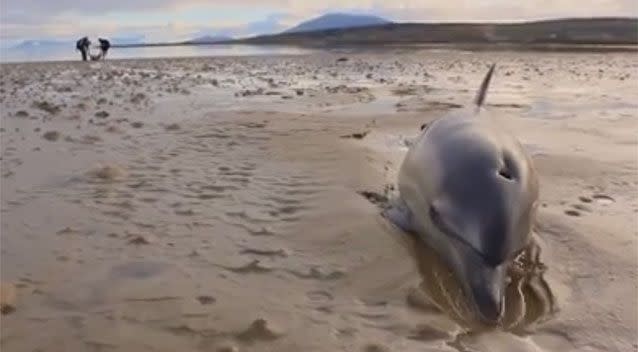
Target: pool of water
point(66, 53)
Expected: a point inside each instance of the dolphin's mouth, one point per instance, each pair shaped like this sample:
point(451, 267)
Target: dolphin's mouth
point(485, 288)
point(524, 300)
point(510, 295)
point(483, 284)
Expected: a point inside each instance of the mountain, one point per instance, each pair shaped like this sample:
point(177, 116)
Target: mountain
point(208, 39)
point(573, 31)
point(337, 20)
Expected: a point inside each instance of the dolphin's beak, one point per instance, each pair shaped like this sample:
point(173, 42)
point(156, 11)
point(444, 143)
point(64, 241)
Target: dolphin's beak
point(483, 285)
point(486, 287)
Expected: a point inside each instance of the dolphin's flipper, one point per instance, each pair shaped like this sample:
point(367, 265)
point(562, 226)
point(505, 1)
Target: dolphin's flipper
point(482, 92)
point(400, 215)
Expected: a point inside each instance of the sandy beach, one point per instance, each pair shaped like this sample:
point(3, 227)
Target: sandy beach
point(219, 204)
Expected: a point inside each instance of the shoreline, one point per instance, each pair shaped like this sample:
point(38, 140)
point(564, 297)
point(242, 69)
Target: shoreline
point(363, 48)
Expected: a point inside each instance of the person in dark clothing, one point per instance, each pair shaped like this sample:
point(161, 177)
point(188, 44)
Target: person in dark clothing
point(104, 46)
point(79, 45)
point(83, 45)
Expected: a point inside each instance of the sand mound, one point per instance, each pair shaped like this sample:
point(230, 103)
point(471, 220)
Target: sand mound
point(108, 172)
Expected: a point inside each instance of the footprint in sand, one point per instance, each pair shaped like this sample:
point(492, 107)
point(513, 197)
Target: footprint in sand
point(205, 300)
point(598, 199)
point(320, 296)
point(585, 199)
point(172, 127)
point(572, 212)
point(603, 199)
point(373, 347)
point(51, 136)
point(185, 212)
point(582, 208)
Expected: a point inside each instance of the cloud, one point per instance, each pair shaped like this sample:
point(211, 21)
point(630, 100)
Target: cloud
point(460, 9)
point(507, 10)
point(179, 19)
point(271, 24)
point(57, 7)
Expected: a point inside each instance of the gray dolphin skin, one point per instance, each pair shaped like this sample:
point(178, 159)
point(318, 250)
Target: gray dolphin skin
point(470, 192)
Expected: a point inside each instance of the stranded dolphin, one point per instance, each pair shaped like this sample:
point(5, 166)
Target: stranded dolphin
point(469, 191)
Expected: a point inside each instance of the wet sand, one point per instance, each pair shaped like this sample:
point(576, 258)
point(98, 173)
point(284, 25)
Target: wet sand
point(215, 204)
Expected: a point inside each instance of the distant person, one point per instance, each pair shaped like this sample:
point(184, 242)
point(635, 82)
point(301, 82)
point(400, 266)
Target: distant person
point(104, 46)
point(83, 45)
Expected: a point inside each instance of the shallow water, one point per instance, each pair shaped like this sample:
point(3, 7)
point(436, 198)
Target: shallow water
point(68, 53)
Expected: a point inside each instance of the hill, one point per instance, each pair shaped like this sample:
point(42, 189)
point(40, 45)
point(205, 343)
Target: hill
point(617, 31)
point(335, 21)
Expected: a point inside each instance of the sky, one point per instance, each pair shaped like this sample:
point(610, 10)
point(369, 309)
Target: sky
point(173, 20)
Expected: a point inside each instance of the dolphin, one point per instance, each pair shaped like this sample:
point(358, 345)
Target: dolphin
point(469, 191)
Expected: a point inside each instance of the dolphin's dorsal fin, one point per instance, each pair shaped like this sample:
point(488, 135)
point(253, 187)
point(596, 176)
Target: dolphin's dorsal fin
point(482, 92)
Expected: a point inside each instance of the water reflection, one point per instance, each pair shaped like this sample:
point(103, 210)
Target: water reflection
point(65, 53)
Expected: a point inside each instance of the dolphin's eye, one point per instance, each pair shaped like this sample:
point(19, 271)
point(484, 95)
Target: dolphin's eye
point(434, 214)
point(437, 220)
point(439, 223)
